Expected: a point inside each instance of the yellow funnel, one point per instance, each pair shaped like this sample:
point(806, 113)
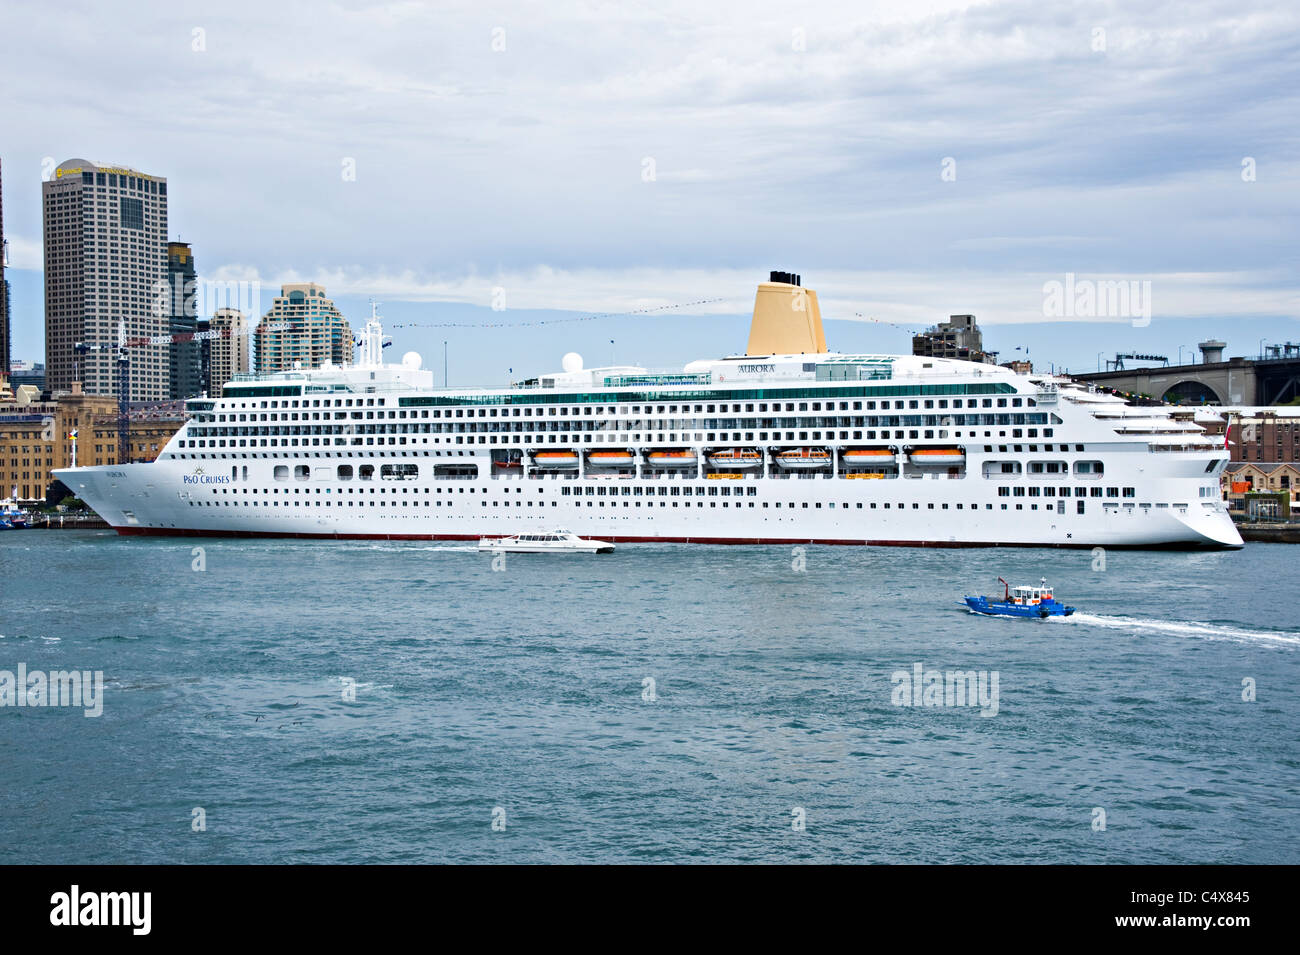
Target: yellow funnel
point(787, 319)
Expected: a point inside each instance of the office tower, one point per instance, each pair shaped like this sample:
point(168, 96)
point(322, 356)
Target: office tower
point(6, 313)
point(182, 283)
point(6, 324)
point(105, 262)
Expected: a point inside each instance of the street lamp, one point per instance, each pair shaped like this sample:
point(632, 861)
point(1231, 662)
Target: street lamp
point(1099, 354)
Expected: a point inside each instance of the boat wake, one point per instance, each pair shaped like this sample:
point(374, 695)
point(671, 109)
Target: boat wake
point(1185, 628)
point(406, 547)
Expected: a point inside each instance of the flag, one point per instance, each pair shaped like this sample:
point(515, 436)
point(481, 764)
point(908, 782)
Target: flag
point(72, 435)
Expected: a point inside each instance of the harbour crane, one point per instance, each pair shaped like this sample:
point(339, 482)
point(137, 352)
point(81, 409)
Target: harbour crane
point(81, 349)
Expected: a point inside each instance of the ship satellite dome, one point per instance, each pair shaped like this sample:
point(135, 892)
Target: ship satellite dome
point(571, 362)
point(412, 360)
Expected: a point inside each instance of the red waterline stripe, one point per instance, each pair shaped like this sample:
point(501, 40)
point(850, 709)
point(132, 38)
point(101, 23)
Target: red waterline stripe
point(189, 532)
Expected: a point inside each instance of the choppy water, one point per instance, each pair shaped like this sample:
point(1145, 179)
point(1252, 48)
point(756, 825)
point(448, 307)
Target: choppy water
point(523, 690)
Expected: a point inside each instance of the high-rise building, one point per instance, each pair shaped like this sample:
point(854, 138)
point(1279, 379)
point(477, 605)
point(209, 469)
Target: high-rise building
point(959, 337)
point(228, 348)
point(105, 263)
point(182, 283)
point(303, 329)
point(205, 356)
point(6, 324)
point(6, 313)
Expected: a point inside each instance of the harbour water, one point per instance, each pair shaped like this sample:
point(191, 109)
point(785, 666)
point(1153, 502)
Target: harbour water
point(665, 703)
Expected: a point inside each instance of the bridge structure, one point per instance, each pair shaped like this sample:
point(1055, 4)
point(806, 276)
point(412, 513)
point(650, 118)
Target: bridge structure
point(1266, 381)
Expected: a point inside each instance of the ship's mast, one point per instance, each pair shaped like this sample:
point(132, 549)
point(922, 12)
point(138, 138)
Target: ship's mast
point(372, 341)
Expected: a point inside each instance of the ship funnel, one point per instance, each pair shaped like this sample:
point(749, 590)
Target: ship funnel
point(787, 319)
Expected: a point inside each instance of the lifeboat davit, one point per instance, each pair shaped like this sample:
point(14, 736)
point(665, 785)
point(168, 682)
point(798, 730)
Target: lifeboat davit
point(936, 457)
point(611, 459)
point(745, 459)
point(880, 457)
point(672, 459)
point(555, 460)
point(804, 459)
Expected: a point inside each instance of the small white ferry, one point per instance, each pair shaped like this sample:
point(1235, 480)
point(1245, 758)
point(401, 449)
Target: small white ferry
point(557, 541)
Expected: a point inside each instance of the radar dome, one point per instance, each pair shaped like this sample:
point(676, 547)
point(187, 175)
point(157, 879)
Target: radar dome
point(412, 360)
point(571, 362)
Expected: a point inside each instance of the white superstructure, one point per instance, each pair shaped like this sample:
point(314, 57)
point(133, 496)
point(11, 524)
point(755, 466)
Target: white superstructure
point(780, 448)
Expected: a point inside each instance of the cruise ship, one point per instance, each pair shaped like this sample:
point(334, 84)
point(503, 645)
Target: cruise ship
point(788, 443)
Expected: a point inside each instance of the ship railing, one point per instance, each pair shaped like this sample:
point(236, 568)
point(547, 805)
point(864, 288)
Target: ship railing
point(1189, 447)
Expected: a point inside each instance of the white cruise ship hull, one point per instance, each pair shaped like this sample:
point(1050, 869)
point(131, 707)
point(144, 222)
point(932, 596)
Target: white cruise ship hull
point(166, 498)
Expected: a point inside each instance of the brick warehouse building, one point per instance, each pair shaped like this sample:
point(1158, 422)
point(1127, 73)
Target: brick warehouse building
point(34, 436)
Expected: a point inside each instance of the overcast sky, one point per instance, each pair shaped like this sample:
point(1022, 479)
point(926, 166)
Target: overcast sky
point(603, 157)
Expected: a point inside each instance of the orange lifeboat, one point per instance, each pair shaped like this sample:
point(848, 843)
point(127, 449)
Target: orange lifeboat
point(741, 458)
point(672, 459)
point(611, 459)
point(804, 459)
point(880, 457)
point(555, 460)
point(937, 457)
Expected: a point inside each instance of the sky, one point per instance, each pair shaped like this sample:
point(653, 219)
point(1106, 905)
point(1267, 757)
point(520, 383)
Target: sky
point(576, 159)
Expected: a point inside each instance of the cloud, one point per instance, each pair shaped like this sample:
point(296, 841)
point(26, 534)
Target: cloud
point(808, 137)
point(893, 297)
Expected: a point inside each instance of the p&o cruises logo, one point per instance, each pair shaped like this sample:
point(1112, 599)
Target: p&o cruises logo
point(199, 476)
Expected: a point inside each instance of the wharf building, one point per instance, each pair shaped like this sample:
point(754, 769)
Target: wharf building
point(34, 435)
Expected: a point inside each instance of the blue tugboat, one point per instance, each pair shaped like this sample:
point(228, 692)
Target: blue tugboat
point(1024, 602)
